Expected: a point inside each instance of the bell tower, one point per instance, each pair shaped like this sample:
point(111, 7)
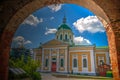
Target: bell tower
point(64, 32)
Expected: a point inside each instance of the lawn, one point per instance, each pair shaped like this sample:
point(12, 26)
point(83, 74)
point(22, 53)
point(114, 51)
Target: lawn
point(81, 76)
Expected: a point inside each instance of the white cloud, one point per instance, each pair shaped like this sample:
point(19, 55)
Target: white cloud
point(20, 40)
point(27, 42)
point(90, 24)
point(50, 31)
point(81, 41)
point(41, 20)
point(55, 8)
point(32, 20)
point(52, 18)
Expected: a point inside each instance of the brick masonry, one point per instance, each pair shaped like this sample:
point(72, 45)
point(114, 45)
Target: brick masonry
point(12, 13)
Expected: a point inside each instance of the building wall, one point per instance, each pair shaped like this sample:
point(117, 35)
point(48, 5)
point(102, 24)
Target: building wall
point(58, 53)
point(92, 55)
point(102, 53)
point(79, 52)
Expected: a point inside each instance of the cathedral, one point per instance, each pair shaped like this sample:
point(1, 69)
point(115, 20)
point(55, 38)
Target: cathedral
point(61, 55)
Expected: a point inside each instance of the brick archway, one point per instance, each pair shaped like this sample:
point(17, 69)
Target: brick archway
point(106, 11)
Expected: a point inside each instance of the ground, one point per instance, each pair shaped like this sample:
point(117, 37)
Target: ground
point(49, 76)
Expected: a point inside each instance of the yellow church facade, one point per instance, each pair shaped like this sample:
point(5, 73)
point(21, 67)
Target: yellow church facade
point(61, 55)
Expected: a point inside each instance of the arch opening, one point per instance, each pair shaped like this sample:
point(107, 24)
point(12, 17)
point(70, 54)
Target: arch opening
point(16, 20)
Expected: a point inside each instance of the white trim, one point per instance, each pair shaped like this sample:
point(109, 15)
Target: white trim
point(75, 69)
point(84, 69)
point(69, 62)
point(100, 58)
point(93, 64)
point(107, 58)
point(65, 60)
point(80, 51)
point(42, 60)
point(101, 52)
point(57, 48)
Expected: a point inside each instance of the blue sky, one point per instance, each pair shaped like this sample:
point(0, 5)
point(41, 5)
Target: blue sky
point(41, 25)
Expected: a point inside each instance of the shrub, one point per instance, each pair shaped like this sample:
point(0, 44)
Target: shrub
point(109, 74)
point(36, 76)
point(30, 66)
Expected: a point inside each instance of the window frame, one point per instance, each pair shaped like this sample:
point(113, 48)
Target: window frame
point(46, 62)
point(61, 62)
point(75, 63)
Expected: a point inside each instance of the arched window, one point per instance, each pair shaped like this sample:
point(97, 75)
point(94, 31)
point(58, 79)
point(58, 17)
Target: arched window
point(74, 62)
point(46, 63)
point(61, 37)
point(61, 63)
point(66, 37)
point(101, 62)
point(84, 62)
point(70, 36)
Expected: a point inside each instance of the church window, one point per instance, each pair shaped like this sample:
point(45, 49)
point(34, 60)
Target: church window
point(61, 63)
point(74, 62)
point(61, 37)
point(66, 37)
point(46, 63)
point(53, 58)
point(100, 60)
point(84, 62)
point(70, 37)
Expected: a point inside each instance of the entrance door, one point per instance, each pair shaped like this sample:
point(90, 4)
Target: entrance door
point(53, 67)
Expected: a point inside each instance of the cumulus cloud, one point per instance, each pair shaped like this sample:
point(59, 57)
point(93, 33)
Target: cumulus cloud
point(55, 8)
point(50, 31)
point(51, 18)
point(27, 42)
point(81, 41)
point(40, 20)
point(32, 20)
point(20, 40)
point(90, 24)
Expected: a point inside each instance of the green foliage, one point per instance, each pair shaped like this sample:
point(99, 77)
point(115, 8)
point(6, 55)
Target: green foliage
point(29, 66)
point(109, 74)
point(36, 76)
point(102, 47)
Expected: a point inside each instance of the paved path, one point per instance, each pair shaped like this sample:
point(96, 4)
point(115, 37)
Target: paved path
point(48, 76)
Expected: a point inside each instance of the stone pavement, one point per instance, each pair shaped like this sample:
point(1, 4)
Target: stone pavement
point(48, 76)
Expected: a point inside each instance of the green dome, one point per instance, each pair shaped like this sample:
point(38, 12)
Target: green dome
point(64, 26)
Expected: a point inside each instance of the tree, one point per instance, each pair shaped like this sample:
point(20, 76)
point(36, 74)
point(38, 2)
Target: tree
point(30, 66)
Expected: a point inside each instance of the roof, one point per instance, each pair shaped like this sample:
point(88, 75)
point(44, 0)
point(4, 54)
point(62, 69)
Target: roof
point(82, 46)
point(54, 42)
point(64, 26)
point(102, 47)
point(17, 71)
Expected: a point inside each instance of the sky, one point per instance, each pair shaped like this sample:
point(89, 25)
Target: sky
point(41, 26)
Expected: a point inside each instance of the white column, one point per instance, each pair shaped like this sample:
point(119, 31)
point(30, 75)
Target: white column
point(107, 58)
point(75, 69)
point(92, 55)
point(50, 60)
point(57, 60)
point(65, 63)
point(42, 60)
point(69, 63)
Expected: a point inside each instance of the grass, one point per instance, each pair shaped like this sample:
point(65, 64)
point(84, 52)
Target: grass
point(82, 76)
